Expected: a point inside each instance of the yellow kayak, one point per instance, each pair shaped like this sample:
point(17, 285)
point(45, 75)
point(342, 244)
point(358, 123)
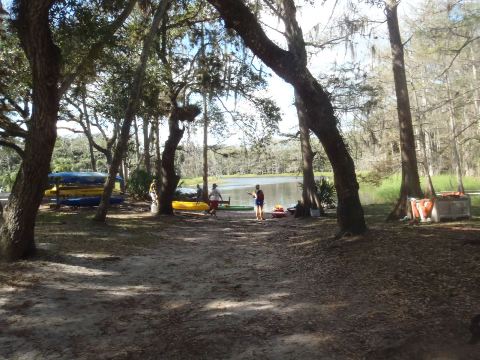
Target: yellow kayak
point(190, 205)
point(76, 191)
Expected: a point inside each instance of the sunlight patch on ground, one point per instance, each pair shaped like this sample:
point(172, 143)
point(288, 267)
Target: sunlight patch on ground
point(322, 308)
point(278, 295)
point(307, 242)
point(306, 339)
point(81, 270)
point(177, 304)
point(68, 233)
point(230, 305)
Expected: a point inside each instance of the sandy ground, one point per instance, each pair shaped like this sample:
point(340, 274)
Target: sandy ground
point(234, 288)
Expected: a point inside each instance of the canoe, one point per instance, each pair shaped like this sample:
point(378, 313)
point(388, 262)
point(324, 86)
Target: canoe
point(190, 205)
point(235, 208)
point(89, 201)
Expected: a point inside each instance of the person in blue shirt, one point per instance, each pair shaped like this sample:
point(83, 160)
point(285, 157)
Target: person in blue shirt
point(259, 201)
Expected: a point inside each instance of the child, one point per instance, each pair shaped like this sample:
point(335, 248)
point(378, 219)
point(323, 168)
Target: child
point(214, 198)
point(259, 200)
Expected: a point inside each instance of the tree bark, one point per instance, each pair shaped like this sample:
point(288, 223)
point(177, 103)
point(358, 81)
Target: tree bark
point(457, 163)
point(319, 110)
point(205, 148)
point(170, 179)
point(309, 192)
point(132, 107)
point(146, 147)
point(17, 233)
point(88, 129)
point(410, 185)
point(158, 157)
point(430, 192)
point(137, 143)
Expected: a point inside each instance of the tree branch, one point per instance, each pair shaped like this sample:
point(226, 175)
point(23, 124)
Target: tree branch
point(97, 48)
point(13, 146)
point(10, 128)
point(457, 53)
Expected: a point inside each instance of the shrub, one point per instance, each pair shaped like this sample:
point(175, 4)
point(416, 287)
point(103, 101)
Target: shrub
point(326, 192)
point(139, 183)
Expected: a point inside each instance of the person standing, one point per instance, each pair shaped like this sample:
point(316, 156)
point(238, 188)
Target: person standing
point(199, 193)
point(214, 198)
point(259, 201)
point(153, 191)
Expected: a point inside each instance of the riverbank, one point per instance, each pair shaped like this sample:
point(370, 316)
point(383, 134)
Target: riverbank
point(198, 287)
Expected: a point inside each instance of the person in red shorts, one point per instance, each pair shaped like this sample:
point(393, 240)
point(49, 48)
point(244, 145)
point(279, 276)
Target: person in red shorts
point(214, 198)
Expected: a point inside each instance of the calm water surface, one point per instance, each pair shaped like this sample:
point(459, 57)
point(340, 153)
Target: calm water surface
point(281, 190)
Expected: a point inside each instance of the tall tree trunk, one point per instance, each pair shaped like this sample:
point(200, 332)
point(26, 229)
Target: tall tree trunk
point(474, 85)
point(146, 147)
point(134, 100)
point(205, 147)
point(88, 129)
point(17, 233)
point(158, 157)
point(169, 178)
point(457, 164)
point(426, 167)
point(410, 185)
point(137, 143)
point(309, 193)
point(321, 118)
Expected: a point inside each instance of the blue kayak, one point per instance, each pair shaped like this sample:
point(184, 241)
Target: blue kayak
point(89, 201)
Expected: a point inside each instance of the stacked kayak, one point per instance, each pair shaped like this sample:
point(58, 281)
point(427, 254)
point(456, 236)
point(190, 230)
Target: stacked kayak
point(75, 191)
point(81, 188)
point(190, 205)
point(89, 200)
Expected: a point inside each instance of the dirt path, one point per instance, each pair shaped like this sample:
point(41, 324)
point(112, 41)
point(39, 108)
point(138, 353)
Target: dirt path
point(226, 288)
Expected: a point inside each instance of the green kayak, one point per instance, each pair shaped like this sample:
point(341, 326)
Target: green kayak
point(235, 207)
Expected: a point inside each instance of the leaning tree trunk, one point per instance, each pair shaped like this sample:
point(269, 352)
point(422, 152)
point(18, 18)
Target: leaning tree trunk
point(410, 185)
point(135, 94)
point(296, 45)
point(17, 233)
point(309, 192)
point(318, 107)
point(169, 179)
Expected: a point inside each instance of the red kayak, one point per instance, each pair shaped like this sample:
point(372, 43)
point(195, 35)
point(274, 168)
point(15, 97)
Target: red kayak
point(278, 212)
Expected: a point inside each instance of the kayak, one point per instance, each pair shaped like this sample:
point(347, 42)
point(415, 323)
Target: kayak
point(278, 212)
point(89, 201)
point(235, 208)
point(190, 205)
point(75, 191)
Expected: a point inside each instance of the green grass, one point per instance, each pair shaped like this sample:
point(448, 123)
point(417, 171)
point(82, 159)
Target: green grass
point(388, 190)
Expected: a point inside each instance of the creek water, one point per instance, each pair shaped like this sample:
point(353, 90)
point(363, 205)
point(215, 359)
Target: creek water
point(278, 190)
